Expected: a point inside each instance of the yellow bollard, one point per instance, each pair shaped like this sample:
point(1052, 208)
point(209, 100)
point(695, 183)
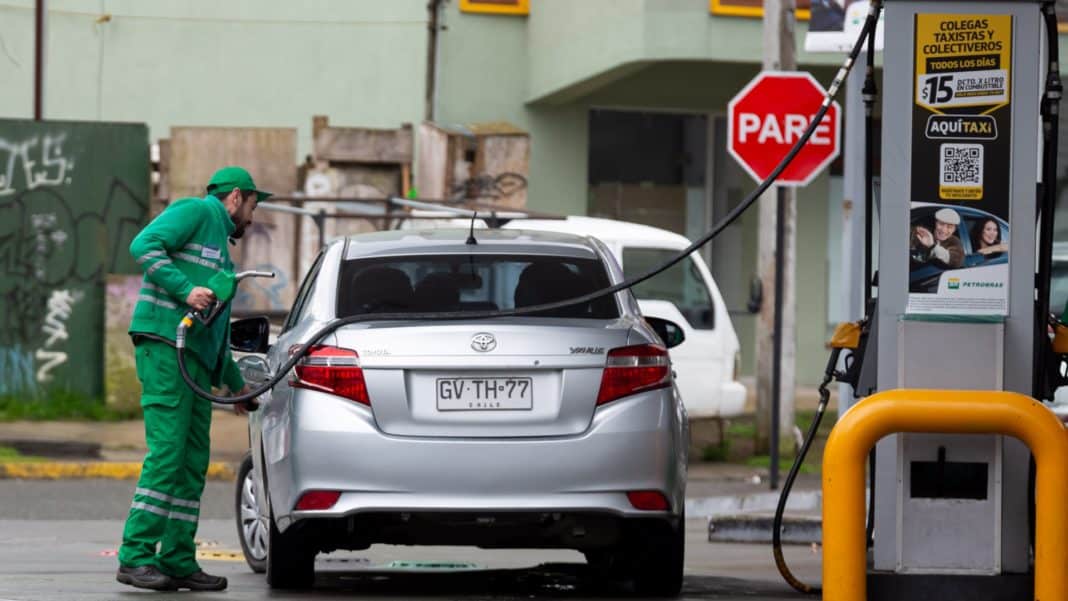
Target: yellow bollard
point(950, 412)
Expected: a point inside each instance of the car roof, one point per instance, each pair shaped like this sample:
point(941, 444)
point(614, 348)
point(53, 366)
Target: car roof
point(608, 230)
point(454, 241)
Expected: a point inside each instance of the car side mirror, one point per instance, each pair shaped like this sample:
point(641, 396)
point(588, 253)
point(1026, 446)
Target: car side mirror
point(669, 332)
point(250, 335)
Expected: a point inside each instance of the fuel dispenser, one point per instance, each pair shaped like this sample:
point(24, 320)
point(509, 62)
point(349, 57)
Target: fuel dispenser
point(969, 115)
point(952, 515)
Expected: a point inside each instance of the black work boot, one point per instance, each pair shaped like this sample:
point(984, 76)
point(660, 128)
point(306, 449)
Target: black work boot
point(145, 577)
point(200, 581)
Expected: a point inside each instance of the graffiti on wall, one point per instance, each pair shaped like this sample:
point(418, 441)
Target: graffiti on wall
point(260, 293)
point(39, 160)
point(494, 187)
point(56, 243)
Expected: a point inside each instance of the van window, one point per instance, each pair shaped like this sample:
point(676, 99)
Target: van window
point(682, 284)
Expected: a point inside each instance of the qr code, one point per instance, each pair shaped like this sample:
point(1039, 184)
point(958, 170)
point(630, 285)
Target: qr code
point(962, 165)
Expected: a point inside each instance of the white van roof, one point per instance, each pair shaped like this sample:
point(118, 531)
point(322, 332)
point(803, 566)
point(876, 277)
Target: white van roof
point(607, 230)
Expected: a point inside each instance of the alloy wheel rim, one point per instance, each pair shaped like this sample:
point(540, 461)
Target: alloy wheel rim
point(253, 526)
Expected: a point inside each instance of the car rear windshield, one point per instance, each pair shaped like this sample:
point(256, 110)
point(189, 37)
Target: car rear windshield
point(480, 282)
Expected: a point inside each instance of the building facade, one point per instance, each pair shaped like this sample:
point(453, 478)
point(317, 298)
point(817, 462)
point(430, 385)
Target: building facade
point(625, 100)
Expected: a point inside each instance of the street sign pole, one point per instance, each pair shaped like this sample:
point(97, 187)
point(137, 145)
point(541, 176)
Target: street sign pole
point(765, 120)
point(779, 55)
point(777, 346)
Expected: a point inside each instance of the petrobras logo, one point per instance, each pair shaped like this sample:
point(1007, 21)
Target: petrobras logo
point(954, 283)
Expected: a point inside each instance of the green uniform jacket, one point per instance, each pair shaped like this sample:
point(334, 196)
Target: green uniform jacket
point(182, 248)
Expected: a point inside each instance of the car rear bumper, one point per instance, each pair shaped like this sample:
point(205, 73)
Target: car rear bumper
point(328, 443)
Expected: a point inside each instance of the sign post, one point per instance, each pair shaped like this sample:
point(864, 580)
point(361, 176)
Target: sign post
point(766, 119)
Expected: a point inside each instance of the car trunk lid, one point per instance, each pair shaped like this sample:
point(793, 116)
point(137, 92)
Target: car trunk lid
point(505, 378)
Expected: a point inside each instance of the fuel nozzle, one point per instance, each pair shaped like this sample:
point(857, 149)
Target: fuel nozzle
point(224, 284)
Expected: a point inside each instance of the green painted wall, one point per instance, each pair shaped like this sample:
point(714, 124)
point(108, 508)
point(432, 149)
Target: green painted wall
point(482, 76)
point(208, 63)
point(362, 62)
point(70, 211)
point(485, 75)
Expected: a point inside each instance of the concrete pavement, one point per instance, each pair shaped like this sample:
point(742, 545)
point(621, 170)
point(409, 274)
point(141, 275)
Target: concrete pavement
point(713, 489)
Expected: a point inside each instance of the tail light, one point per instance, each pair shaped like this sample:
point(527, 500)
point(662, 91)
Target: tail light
point(333, 370)
point(633, 369)
point(648, 500)
point(317, 499)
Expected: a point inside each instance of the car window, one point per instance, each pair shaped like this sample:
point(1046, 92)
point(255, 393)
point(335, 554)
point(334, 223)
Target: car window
point(482, 282)
point(682, 284)
point(302, 295)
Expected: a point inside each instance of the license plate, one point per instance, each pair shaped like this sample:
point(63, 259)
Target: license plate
point(485, 394)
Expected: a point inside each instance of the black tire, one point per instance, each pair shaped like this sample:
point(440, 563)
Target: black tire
point(251, 526)
point(290, 562)
point(657, 557)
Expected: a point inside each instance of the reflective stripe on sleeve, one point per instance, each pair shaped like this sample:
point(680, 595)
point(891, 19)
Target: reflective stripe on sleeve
point(149, 255)
point(156, 301)
point(157, 265)
point(188, 258)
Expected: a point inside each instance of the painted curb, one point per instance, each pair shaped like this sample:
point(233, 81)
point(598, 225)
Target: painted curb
point(710, 507)
point(797, 530)
point(54, 470)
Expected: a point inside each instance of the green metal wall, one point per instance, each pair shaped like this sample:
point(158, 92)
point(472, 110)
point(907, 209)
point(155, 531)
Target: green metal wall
point(72, 197)
point(237, 63)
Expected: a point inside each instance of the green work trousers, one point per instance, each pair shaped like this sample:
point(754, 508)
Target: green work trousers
point(162, 523)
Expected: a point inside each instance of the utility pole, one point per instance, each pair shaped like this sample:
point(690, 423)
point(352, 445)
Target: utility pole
point(775, 370)
point(38, 59)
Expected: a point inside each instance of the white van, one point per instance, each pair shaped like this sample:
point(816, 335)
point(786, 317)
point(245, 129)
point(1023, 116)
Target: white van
point(706, 363)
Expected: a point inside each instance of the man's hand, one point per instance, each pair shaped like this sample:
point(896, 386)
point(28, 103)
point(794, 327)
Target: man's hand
point(200, 298)
point(925, 237)
point(245, 407)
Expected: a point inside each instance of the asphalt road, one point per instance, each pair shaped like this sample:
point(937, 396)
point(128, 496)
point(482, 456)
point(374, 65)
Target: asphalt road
point(58, 542)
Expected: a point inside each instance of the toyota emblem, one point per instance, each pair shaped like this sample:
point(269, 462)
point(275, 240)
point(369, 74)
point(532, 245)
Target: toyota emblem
point(483, 342)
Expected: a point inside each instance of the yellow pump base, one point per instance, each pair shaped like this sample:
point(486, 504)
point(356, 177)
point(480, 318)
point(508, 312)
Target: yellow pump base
point(949, 412)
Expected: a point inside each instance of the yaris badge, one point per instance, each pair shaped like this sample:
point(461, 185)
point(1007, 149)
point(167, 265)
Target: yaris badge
point(483, 342)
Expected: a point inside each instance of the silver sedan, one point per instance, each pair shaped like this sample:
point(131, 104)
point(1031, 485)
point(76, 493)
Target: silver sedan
point(561, 429)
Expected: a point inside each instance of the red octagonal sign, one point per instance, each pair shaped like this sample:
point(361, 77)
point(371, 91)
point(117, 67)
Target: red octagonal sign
point(770, 114)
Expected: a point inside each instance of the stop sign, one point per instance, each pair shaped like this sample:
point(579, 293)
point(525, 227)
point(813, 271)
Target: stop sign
point(769, 116)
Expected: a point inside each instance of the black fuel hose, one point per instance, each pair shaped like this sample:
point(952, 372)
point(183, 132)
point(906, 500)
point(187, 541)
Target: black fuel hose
point(731, 217)
point(869, 93)
point(1047, 205)
point(780, 509)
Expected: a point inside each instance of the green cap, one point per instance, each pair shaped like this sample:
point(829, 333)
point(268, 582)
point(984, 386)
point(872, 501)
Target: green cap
point(228, 178)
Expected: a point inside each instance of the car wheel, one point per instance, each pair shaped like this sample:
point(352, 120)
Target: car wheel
point(290, 562)
point(251, 525)
point(656, 559)
point(606, 571)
